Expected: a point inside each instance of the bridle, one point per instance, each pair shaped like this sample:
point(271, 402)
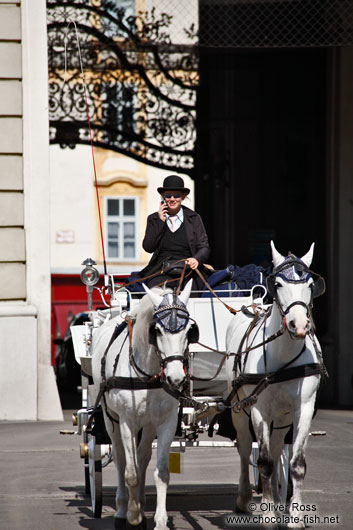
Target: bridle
point(173, 318)
point(294, 270)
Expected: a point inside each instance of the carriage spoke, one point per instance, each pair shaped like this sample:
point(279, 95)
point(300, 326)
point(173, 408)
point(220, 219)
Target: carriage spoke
point(95, 475)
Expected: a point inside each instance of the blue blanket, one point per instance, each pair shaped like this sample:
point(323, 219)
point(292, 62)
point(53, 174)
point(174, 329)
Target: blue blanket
point(236, 278)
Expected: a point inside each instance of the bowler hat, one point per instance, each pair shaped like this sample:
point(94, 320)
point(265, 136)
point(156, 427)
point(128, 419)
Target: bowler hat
point(174, 183)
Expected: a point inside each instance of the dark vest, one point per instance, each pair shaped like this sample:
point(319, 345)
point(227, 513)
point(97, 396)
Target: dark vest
point(174, 245)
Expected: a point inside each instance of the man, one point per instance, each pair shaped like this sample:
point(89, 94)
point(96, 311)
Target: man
point(174, 233)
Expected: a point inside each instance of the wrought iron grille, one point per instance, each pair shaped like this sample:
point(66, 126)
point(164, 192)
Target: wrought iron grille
point(141, 87)
point(275, 23)
point(141, 67)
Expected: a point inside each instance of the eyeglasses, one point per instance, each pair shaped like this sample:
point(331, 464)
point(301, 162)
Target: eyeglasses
point(170, 195)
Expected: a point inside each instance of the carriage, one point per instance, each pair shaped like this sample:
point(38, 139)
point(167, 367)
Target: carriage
point(200, 405)
point(213, 318)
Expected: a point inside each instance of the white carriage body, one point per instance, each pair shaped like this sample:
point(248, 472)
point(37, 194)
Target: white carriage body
point(211, 316)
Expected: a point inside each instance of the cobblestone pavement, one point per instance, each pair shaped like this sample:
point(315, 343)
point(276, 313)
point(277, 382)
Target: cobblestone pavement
point(42, 483)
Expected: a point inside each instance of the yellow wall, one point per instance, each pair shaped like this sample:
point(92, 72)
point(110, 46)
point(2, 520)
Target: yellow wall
point(118, 176)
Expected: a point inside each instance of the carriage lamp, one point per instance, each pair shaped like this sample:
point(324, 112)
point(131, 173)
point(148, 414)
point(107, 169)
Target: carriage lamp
point(89, 276)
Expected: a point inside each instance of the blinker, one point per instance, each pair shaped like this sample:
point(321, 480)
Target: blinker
point(173, 319)
point(318, 286)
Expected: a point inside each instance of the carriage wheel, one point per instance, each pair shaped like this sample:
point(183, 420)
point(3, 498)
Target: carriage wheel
point(257, 477)
point(86, 465)
point(95, 475)
point(284, 481)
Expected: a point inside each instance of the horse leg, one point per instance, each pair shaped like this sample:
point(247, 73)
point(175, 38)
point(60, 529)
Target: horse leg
point(265, 461)
point(276, 447)
point(132, 479)
point(121, 498)
point(165, 435)
point(302, 422)
point(244, 445)
point(144, 453)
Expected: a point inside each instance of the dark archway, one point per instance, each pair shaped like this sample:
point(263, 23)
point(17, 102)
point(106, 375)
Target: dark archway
point(261, 153)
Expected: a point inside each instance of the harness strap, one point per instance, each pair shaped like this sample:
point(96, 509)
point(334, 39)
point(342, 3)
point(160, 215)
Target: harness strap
point(117, 330)
point(295, 372)
point(139, 370)
point(262, 380)
point(269, 339)
point(123, 383)
point(265, 381)
point(172, 358)
point(133, 363)
point(131, 383)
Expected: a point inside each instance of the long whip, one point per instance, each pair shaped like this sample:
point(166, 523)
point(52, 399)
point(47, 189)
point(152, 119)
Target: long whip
point(89, 127)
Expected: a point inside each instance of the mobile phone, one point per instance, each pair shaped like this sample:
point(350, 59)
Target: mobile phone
point(163, 201)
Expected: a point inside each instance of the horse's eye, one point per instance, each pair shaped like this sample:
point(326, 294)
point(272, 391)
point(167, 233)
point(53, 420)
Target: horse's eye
point(278, 285)
point(158, 331)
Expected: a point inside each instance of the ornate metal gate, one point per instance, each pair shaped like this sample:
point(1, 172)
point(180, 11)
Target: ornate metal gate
point(141, 66)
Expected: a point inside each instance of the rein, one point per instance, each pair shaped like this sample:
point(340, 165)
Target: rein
point(231, 309)
point(137, 369)
point(156, 274)
point(238, 354)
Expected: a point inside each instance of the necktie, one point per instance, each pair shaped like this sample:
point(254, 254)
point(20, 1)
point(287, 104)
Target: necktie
point(173, 220)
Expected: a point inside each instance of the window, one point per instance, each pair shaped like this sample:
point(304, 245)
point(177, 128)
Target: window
point(120, 106)
point(121, 228)
point(123, 9)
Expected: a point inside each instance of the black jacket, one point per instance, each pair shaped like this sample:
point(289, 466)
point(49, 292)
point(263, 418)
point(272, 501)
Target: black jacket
point(195, 232)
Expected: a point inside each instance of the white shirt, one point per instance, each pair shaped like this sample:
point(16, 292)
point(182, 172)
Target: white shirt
point(179, 219)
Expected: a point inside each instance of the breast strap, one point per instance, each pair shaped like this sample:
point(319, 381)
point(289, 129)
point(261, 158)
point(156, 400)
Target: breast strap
point(131, 383)
point(294, 372)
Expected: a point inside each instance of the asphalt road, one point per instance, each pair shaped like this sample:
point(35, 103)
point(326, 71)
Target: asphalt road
point(42, 483)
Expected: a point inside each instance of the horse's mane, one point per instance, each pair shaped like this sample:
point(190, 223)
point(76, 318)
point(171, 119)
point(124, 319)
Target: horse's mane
point(144, 318)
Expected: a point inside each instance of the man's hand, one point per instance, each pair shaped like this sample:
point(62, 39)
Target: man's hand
point(192, 262)
point(163, 209)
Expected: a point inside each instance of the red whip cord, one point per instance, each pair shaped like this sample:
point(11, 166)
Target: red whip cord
point(90, 130)
point(96, 183)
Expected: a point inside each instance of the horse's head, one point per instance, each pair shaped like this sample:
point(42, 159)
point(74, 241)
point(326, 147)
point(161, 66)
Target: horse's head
point(171, 333)
point(293, 286)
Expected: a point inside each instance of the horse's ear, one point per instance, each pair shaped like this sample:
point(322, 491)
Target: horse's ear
point(277, 258)
point(152, 335)
point(155, 298)
point(308, 258)
point(185, 294)
point(193, 334)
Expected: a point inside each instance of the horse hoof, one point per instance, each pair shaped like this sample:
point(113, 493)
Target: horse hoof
point(242, 510)
point(141, 526)
point(119, 523)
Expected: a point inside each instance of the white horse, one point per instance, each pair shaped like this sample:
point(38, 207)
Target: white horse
point(291, 399)
point(163, 320)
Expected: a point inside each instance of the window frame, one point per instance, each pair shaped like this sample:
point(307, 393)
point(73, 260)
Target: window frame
point(121, 218)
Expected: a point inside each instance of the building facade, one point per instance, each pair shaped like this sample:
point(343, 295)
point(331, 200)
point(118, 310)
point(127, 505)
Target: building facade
point(27, 381)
